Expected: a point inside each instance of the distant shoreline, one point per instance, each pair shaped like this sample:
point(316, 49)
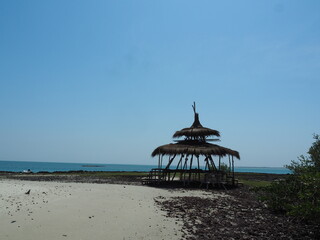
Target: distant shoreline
point(19, 166)
point(92, 165)
point(116, 177)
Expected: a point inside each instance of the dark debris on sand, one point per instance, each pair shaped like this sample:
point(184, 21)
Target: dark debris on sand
point(77, 176)
point(238, 215)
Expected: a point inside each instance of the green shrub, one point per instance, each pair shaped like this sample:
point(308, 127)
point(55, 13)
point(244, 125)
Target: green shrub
point(307, 203)
point(224, 167)
point(310, 163)
point(299, 194)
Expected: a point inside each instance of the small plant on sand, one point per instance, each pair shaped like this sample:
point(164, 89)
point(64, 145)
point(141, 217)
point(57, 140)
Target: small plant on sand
point(299, 194)
point(224, 167)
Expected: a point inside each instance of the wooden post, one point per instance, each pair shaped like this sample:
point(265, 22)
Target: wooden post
point(184, 168)
point(207, 164)
point(232, 171)
point(190, 167)
point(185, 162)
point(159, 160)
point(170, 161)
point(180, 161)
point(191, 160)
point(198, 168)
point(212, 163)
point(160, 176)
point(165, 172)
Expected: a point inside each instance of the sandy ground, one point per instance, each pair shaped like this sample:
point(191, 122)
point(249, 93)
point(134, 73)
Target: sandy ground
point(77, 211)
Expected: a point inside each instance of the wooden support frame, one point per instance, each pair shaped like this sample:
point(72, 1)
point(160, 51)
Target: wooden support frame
point(180, 161)
point(212, 163)
point(207, 163)
point(190, 171)
point(190, 168)
point(233, 180)
point(159, 160)
point(198, 168)
point(170, 161)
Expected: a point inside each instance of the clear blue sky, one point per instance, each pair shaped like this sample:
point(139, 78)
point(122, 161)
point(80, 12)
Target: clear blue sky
point(109, 81)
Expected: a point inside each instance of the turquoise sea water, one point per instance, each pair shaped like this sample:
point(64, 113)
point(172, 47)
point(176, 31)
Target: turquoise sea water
point(19, 166)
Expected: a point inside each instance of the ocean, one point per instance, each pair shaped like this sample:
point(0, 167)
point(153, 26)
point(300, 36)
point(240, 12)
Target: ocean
point(19, 166)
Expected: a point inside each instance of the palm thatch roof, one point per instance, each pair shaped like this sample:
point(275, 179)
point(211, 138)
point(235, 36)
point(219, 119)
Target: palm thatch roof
point(196, 130)
point(194, 148)
point(195, 142)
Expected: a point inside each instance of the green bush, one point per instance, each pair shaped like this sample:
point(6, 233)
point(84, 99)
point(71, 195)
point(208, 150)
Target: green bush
point(299, 194)
point(307, 203)
point(310, 163)
point(224, 167)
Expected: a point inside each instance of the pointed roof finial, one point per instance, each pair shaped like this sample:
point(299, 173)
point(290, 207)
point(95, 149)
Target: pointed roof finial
point(196, 123)
point(194, 107)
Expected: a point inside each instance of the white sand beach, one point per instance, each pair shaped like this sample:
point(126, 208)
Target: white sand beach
point(75, 211)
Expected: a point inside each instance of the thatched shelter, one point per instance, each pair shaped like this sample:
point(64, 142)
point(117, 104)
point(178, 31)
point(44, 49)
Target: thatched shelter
point(191, 149)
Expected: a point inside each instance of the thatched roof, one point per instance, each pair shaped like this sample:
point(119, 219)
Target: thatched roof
point(196, 130)
point(195, 142)
point(195, 148)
